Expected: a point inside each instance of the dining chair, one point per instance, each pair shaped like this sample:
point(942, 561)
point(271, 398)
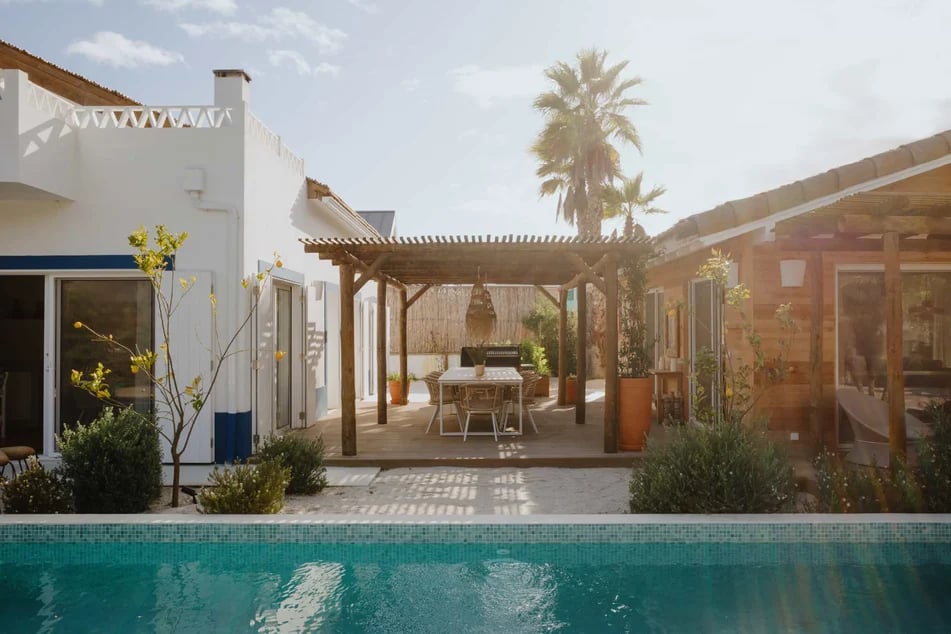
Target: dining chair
point(529, 381)
point(479, 398)
point(448, 397)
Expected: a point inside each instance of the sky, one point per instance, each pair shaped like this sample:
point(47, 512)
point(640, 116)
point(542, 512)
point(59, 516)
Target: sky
point(425, 107)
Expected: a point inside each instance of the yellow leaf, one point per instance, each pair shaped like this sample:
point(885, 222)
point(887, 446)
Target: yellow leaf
point(134, 369)
point(278, 264)
point(77, 324)
point(279, 355)
point(245, 282)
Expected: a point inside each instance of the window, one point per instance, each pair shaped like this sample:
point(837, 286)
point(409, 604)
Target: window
point(926, 335)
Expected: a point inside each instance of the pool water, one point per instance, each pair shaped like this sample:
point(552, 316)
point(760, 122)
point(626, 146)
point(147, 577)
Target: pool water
point(193, 587)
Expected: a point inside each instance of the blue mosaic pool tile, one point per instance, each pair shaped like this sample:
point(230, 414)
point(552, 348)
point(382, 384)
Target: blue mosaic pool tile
point(461, 532)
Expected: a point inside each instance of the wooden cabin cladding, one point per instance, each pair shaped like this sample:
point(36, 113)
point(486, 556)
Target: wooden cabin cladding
point(838, 232)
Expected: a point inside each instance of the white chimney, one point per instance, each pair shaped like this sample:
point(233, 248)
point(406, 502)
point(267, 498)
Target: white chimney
point(232, 87)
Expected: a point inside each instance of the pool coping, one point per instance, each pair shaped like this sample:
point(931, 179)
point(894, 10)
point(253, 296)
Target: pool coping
point(483, 520)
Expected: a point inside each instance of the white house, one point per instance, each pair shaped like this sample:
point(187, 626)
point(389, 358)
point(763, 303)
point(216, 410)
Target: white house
point(80, 169)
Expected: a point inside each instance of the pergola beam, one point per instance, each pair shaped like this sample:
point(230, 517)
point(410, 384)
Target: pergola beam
point(562, 344)
point(895, 383)
point(611, 355)
point(587, 273)
point(381, 353)
point(582, 349)
point(417, 295)
point(369, 272)
point(908, 245)
point(348, 391)
point(404, 376)
point(551, 298)
point(907, 225)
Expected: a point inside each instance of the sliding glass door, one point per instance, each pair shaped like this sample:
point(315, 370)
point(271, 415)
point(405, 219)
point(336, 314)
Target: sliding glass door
point(120, 308)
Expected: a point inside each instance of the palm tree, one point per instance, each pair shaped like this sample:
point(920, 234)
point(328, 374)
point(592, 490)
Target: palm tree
point(627, 199)
point(585, 114)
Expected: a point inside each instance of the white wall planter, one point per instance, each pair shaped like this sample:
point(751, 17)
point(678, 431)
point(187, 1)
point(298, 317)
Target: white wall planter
point(792, 272)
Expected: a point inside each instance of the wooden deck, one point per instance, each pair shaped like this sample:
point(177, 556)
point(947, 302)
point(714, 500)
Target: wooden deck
point(401, 443)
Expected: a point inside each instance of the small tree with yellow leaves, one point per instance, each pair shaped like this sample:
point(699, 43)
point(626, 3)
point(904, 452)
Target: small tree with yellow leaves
point(180, 400)
point(732, 378)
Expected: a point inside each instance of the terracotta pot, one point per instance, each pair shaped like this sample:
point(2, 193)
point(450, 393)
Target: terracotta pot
point(542, 387)
point(634, 412)
point(571, 391)
point(396, 392)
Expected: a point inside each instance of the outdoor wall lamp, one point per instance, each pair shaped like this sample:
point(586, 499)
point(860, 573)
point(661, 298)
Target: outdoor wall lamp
point(792, 273)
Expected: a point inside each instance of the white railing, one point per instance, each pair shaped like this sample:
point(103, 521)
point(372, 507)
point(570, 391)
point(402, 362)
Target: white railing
point(49, 102)
point(257, 130)
point(104, 117)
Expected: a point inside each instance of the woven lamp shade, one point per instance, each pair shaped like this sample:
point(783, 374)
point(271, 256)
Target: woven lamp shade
point(480, 316)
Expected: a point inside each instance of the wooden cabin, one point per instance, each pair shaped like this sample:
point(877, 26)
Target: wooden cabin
point(863, 254)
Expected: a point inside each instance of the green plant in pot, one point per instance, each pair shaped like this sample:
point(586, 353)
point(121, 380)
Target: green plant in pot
point(478, 354)
point(533, 354)
point(395, 382)
point(634, 358)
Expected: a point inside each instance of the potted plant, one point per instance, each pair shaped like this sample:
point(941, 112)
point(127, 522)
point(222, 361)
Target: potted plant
point(571, 388)
point(533, 354)
point(396, 386)
point(634, 360)
point(477, 354)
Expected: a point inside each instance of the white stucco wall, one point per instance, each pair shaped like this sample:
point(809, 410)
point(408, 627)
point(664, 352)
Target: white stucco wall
point(252, 201)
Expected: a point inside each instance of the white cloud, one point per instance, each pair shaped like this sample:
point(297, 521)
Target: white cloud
point(301, 65)
point(115, 49)
point(363, 5)
point(489, 86)
point(410, 84)
point(280, 23)
point(226, 7)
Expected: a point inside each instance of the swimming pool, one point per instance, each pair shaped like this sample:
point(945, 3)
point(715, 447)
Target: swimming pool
point(481, 574)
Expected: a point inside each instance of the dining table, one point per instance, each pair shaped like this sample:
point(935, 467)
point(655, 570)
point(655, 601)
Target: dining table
point(508, 377)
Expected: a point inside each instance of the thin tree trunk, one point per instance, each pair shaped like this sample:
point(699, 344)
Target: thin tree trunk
point(176, 477)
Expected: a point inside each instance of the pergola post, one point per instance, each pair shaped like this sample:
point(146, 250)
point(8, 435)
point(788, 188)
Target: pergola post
point(562, 344)
point(381, 352)
point(582, 351)
point(404, 375)
point(815, 348)
point(895, 383)
point(348, 388)
point(610, 355)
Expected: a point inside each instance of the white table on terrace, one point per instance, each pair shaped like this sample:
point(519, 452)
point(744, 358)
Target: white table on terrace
point(498, 376)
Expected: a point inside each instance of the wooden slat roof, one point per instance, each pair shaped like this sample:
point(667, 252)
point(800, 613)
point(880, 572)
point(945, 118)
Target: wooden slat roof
point(544, 260)
point(873, 204)
point(736, 213)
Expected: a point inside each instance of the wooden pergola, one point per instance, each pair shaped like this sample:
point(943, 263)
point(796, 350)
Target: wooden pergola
point(427, 261)
point(881, 221)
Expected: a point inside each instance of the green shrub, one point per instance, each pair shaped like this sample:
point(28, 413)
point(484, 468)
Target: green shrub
point(848, 488)
point(246, 489)
point(36, 490)
point(114, 464)
point(543, 321)
point(725, 468)
point(305, 459)
point(534, 354)
point(934, 459)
